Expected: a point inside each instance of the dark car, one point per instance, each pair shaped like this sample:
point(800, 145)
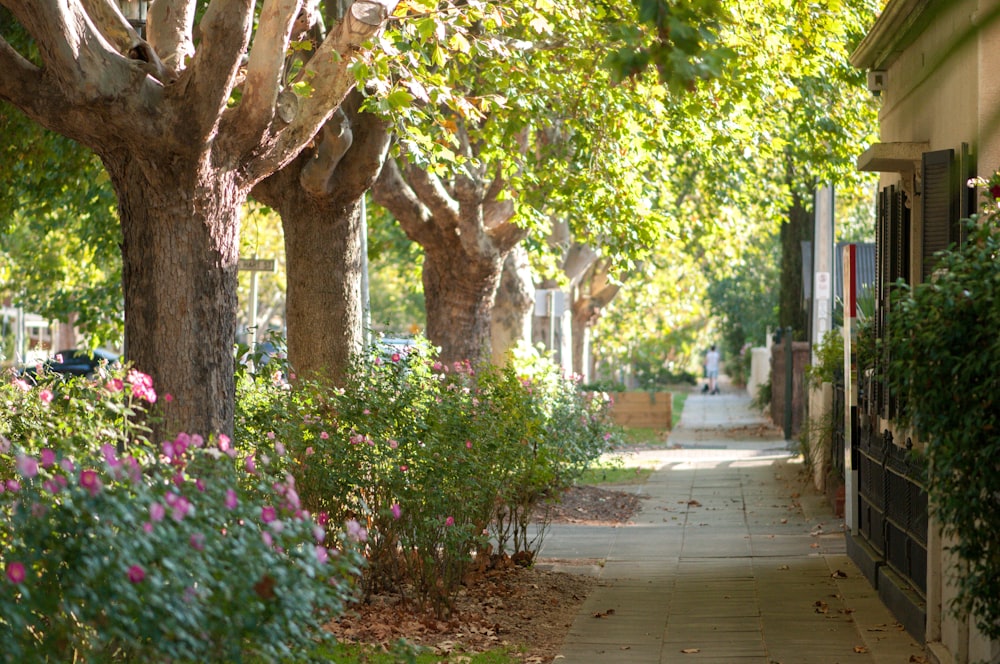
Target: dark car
point(76, 362)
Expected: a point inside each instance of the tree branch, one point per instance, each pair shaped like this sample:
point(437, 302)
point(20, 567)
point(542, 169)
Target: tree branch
point(21, 82)
point(327, 73)
point(392, 192)
point(333, 141)
point(266, 64)
point(209, 81)
point(169, 25)
point(115, 28)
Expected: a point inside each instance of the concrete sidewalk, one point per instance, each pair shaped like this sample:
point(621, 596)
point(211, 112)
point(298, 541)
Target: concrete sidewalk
point(733, 559)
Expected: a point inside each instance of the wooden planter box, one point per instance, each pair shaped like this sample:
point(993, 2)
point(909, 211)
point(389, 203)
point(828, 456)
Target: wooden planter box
point(652, 410)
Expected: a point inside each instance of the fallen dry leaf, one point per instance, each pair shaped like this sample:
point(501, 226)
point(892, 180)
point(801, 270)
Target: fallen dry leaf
point(814, 545)
point(694, 503)
point(784, 567)
point(839, 575)
point(861, 650)
point(918, 659)
point(604, 614)
point(821, 606)
point(691, 651)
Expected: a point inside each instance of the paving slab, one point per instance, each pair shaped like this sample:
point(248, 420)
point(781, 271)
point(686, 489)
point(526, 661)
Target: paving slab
point(733, 559)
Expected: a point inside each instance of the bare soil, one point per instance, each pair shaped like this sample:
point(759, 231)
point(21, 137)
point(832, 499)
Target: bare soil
point(520, 607)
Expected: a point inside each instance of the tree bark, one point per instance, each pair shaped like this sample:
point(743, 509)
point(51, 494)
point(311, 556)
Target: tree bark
point(320, 197)
point(514, 305)
point(459, 292)
point(180, 247)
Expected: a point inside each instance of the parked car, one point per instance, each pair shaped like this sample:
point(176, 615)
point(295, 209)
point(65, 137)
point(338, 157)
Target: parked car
point(75, 362)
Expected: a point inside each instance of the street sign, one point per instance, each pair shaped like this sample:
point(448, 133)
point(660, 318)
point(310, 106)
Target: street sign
point(257, 265)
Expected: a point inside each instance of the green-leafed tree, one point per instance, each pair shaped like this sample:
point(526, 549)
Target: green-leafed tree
point(185, 121)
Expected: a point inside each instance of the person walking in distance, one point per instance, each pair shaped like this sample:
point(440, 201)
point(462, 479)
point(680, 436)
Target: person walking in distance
point(712, 370)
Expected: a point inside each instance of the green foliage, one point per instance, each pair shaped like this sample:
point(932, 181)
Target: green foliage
point(59, 233)
point(943, 366)
point(117, 550)
point(762, 400)
point(433, 460)
point(830, 354)
point(679, 40)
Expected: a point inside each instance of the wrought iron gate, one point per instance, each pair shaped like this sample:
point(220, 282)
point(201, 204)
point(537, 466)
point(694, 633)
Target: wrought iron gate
point(892, 506)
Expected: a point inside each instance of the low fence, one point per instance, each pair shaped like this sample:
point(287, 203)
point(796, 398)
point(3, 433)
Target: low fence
point(653, 410)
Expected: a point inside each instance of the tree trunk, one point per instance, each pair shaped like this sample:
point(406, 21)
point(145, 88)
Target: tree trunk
point(514, 306)
point(320, 197)
point(323, 311)
point(180, 246)
point(459, 293)
point(794, 231)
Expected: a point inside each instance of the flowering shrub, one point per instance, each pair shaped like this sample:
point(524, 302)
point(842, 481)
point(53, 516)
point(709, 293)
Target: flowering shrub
point(157, 553)
point(432, 459)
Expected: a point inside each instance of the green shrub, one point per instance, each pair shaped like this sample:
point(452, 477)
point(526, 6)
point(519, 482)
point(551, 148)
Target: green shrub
point(435, 460)
point(943, 367)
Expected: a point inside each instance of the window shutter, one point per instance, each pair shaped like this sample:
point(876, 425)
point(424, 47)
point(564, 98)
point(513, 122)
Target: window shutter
point(941, 206)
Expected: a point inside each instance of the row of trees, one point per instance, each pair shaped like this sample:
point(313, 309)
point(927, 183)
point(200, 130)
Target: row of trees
point(592, 142)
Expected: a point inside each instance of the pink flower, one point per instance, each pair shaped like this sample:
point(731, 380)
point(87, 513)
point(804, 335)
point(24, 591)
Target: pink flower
point(321, 554)
point(310, 451)
point(268, 540)
point(91, 481)
point(136, 574)
point(157, 511)
point(197, 541)
point(22, 384)
point(13, 486)
point(450, 521)
point(168, 397)
point(397, 511)
point(378, 361)
point(355, 531)
point(366, 412)
point(268, 514)
point(393, 443)
point(142, 385)
point(180, 509)
point(15, 572)
point(114, 385)
point(404, 468)
point(270, 435)
point(27, 466)
point(468, 444)
point(250, 464)
point(231, 500)
point(147, 527)
point(45, 396)
point(319, 533)
point(48, 458)
point(279, 448)
point(395, 357)
point(223, 441)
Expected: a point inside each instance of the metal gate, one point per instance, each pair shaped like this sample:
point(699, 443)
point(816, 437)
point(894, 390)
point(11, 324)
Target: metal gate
point(892, 506)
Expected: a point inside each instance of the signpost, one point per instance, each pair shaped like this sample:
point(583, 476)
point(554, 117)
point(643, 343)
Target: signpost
point(255, 266)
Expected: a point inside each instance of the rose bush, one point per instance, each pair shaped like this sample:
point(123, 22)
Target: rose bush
point(440, 463)
point(115, 549)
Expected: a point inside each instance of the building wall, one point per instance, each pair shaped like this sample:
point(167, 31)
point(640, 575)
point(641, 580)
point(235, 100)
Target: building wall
point(942, 88)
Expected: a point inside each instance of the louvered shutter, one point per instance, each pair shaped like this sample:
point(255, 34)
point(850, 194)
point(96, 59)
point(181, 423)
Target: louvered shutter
point(941, 196)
